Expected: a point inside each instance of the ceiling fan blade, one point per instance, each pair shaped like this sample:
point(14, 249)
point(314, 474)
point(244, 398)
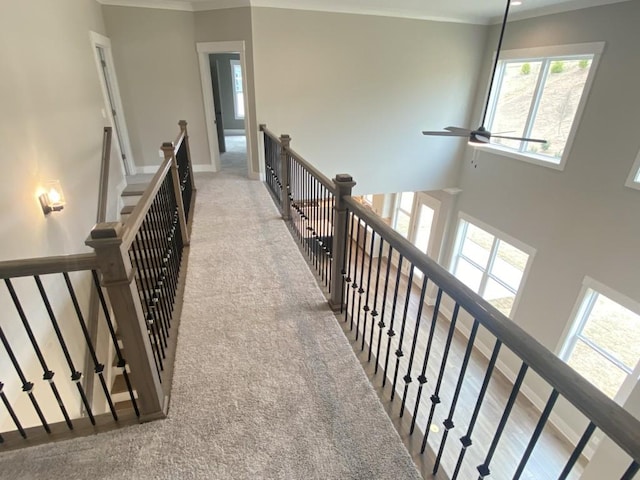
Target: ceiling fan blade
point(466, 131)
point(537, 140)
point(447, 134)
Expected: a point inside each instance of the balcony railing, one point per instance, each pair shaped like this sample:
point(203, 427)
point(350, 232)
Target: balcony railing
point(136, 274)
point(428, 368)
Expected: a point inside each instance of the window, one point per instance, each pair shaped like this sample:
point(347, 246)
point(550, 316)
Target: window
point(604, 344)
point(540, 93)
point(490, 266)
point(402, 217)
point(238, 95)
point(634, 177)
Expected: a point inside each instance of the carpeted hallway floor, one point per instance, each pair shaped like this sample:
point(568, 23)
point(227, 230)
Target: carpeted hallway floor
point(265, 386)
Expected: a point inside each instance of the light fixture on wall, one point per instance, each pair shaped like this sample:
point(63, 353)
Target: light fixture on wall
point(52, 200)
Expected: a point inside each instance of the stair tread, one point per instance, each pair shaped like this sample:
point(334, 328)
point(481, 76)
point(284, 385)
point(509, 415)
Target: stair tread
point(134, 189)
point(119, 385)
point(127, 209)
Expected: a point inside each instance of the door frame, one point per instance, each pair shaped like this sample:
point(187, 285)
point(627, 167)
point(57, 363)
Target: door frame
point(204, 49)
point(127, 164)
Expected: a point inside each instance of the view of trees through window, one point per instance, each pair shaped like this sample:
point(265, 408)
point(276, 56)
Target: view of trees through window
point(539, 98)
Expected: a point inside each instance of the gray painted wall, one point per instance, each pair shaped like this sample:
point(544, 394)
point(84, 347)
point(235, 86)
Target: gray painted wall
point(225, 86)
point(355, 92)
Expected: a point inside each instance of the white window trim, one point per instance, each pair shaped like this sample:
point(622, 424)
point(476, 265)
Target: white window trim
point(500, 235)
point(633, 181)
point(595, 49)
point(569, 337)
point(433, 204)
point(235, 63)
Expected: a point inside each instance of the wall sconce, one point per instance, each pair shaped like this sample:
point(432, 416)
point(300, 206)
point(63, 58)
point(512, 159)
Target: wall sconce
point(52, 200)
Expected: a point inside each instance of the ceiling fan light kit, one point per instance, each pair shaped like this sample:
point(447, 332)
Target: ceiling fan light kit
point(481, 136)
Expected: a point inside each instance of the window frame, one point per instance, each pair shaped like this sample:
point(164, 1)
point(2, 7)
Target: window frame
point(456, 254)
point(633, 181)
point(236, 63)
point(578, 320)
point(535, 54)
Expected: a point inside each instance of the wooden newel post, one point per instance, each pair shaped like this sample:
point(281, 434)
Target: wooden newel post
point(118, 279)
point(168, 150)
point(285, 206)
point(183, 128)
point(344, 184)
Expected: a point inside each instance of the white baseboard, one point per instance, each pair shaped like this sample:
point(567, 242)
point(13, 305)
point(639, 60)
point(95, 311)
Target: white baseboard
point(203, 168)
point(147, 169)
point(257, 176)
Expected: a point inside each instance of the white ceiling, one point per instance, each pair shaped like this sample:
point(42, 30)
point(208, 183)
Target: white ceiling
point(465, 11)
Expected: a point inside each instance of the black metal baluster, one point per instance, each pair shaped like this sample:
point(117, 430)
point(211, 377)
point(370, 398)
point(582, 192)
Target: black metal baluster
point(536, 433)
point(374, 312)
point(354, 285)
point(47, 374)
point(161, 301)
point(122, 363)
point(448, 423)
point(366, 300)
point(484, 469)
point(12, 413)
point(381, 323)
point(466, 439)
point(98, 367)
point(76, 376)
point(577, 451)
point(390, 332)
point(631, 472)
point(332, 230)
point(422, 379)
point(399, 351)
point(407, 378)
point(27, 386)
point(352, 219)
point(361, 289)
point(435, 398)
point(145, 299)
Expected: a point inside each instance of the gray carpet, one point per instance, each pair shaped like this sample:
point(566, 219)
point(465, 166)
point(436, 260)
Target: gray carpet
point(265, 386)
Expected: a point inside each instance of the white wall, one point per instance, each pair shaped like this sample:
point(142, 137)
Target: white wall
point(157, 66)
point(355, 92)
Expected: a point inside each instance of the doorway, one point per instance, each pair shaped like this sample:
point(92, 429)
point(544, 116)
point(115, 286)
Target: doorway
point(114, 111)
point(228, 99)
point(227, 106)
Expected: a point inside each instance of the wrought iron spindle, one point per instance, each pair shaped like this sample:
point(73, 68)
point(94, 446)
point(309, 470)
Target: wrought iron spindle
point(448, 423)
point(27, 386)
point(98, 367)
point(76, 376)
point(352, 219)
point(399, 352)
point(577, 451)
point(361, 290)
point(374, 312)
point(466, 440)
point(416, 330)
point(381, 323)
point(162, 210)
point(47, 374)
point(391, 333)
point(422, 378)
point(435, 398)
point(366, 308)
point(122, 363)
point(484, 469)
point(354, 285)
point(536, 433)
point(12, 413)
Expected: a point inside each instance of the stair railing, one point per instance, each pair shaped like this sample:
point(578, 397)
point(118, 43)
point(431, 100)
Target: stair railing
point(395, 321)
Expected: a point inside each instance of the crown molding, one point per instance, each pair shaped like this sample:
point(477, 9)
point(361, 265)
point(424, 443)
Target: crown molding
point(219, 4)
point(181, 5)
point(553, 9)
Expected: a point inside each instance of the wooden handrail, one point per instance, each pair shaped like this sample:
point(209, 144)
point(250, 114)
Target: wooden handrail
point(317, 174)
point(103, 186)
point(270, 134)
point(44, 265)
point(622, 427)
point(132, 225)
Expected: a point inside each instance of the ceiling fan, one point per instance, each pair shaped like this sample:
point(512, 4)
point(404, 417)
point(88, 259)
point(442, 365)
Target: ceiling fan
point(481, 136)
